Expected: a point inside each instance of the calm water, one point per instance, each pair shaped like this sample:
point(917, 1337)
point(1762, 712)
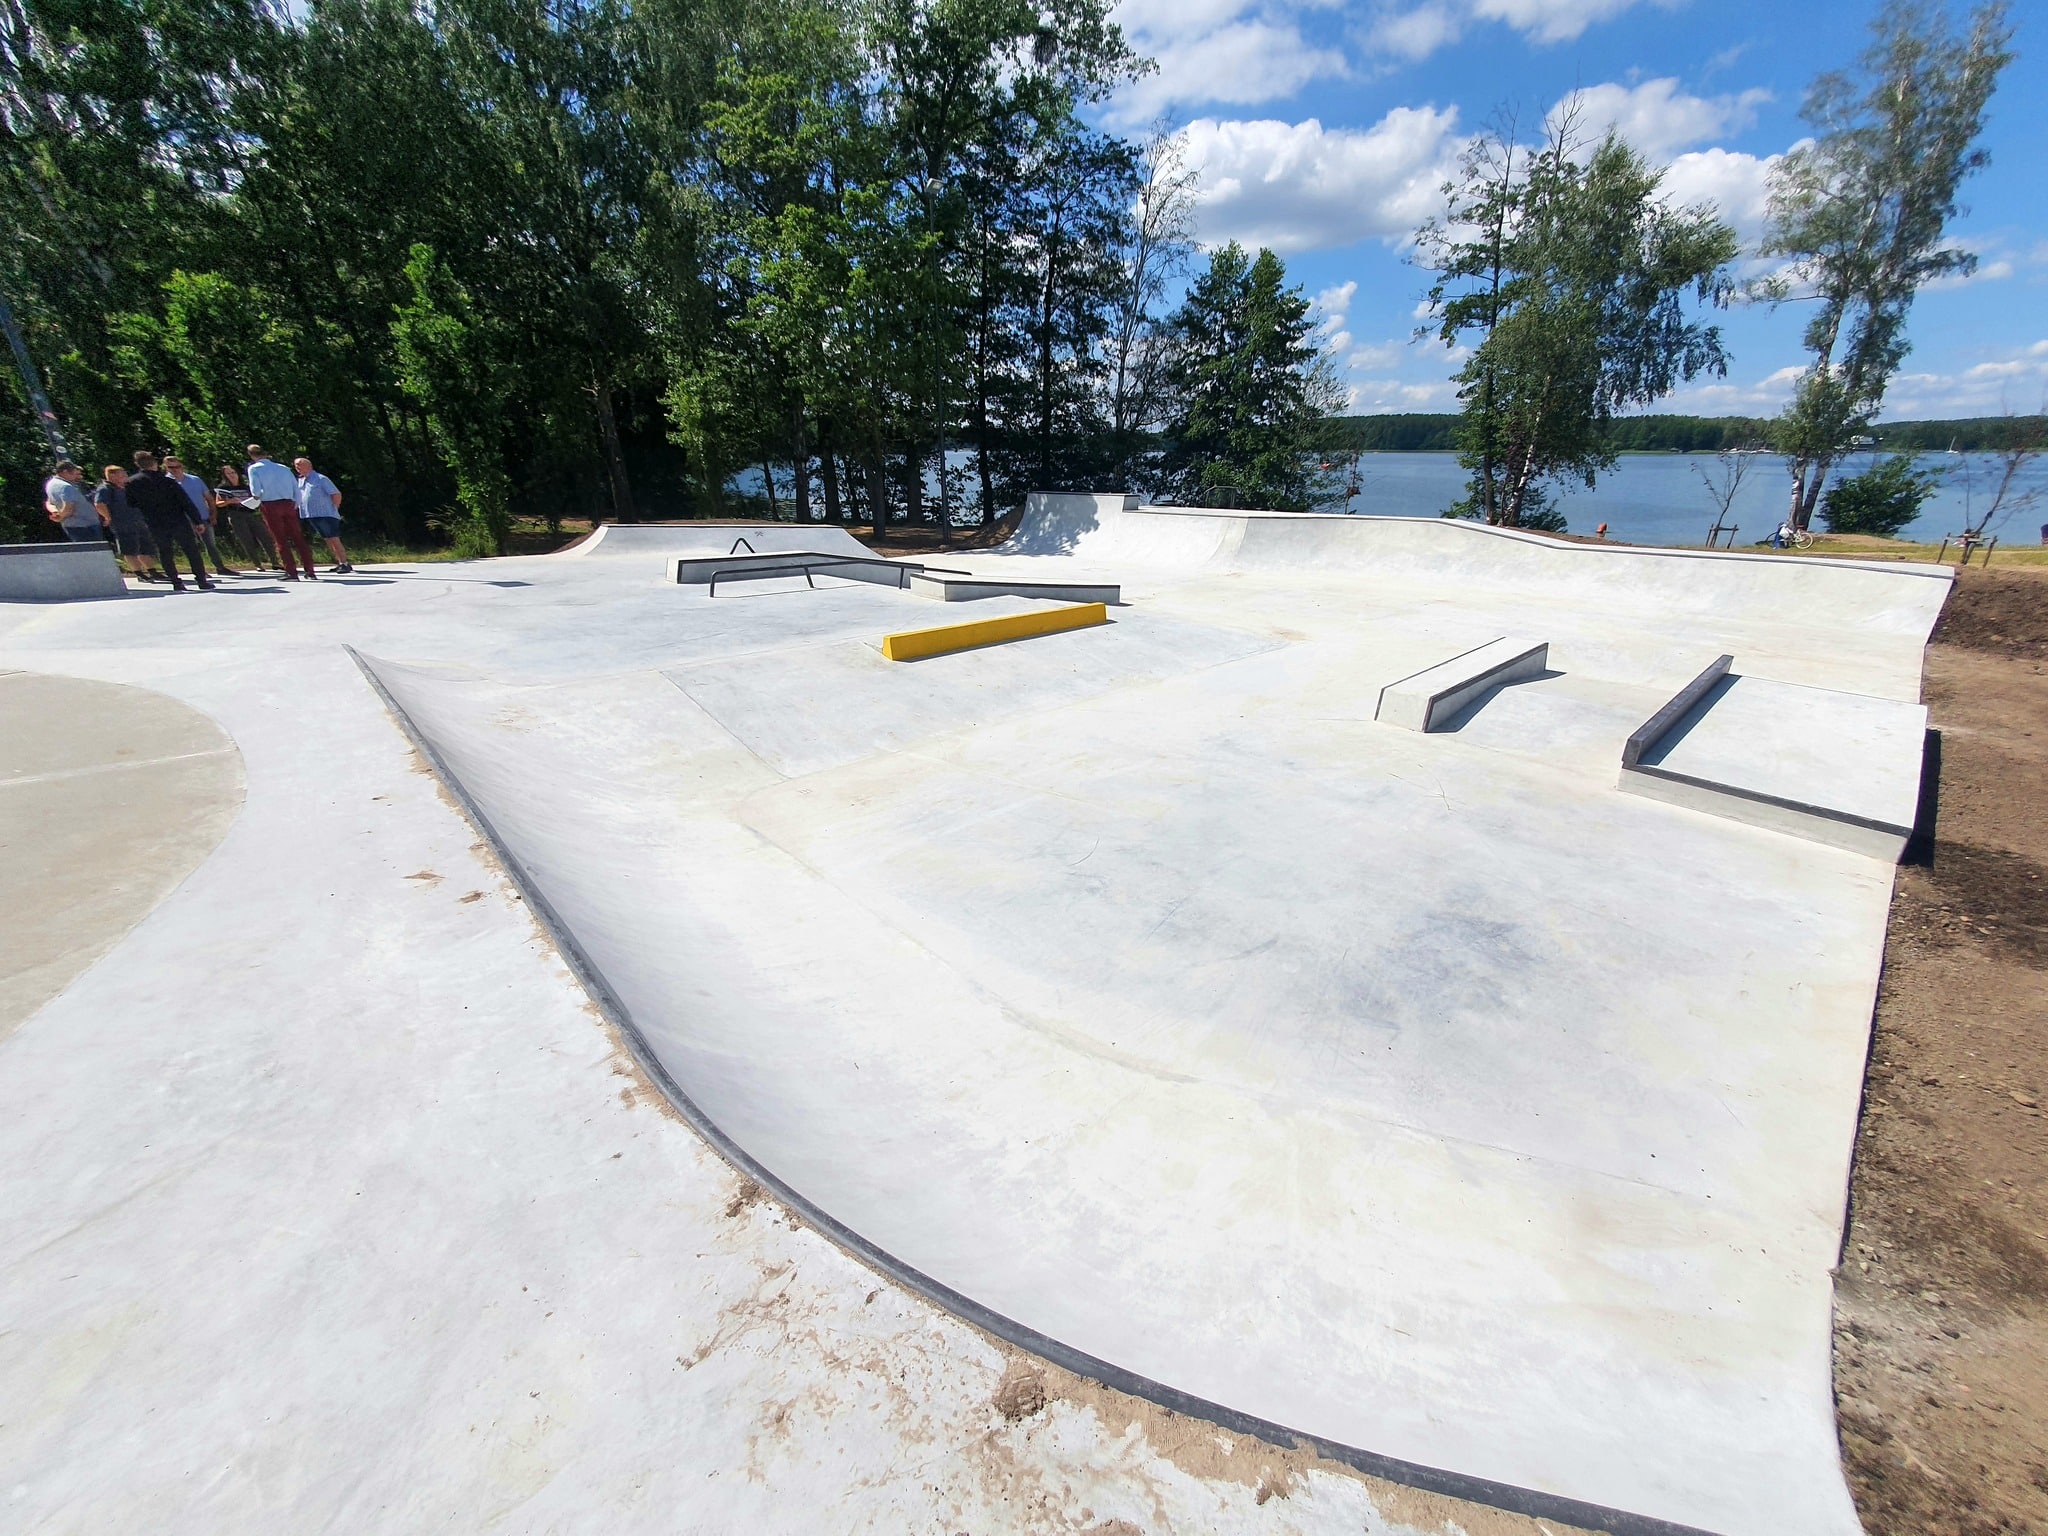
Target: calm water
point(1647, 498)
point(1657, 498)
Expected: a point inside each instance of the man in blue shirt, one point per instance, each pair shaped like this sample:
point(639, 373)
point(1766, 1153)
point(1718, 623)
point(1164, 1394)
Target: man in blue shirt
point(273, 487)
point(202, 507)
point(319, 501)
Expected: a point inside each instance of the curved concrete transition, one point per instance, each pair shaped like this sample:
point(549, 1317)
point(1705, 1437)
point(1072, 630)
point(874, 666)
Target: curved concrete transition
point(109, 797)
point(1134, 993)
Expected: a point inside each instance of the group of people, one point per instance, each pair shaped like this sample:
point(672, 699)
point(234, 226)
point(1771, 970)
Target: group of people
point(159, 509)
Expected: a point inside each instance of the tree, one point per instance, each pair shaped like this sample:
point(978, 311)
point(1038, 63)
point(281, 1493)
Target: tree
point(1251, 389)
point(1573, 274)
point(1882, 500)
point(449, 367)
point(1158, 241)
point(2017, 444)
point(1861, 214)
point(1724, 485)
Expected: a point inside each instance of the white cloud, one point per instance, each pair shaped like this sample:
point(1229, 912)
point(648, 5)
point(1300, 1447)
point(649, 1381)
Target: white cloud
point(2017, 378)
point(1420, 31)
point(1399, 395)
point(1378, 356)
point(1216, 51)
point(1987, 272)
point(1301, 186)
point(1737, 185)
point(1659, 119)
point(1550, 21)
point(1335, 302)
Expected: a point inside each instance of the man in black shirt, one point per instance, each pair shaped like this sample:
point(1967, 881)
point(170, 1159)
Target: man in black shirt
point(170, 515)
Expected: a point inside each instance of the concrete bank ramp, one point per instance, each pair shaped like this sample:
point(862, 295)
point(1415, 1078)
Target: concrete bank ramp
point(1136, 996)
point(610, 540)
point(1109, 532)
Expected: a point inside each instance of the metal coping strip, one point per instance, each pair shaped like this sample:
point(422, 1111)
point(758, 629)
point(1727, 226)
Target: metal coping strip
point(1507, 1496)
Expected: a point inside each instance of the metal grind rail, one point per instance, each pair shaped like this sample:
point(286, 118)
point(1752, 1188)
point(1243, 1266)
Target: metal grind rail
point(807, 566)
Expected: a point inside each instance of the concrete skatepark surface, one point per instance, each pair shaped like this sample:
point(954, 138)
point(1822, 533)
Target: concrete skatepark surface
point(1418, 1093)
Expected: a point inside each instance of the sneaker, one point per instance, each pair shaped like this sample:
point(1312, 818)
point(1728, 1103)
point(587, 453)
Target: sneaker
point(346, 569)
point(178, 586)
point(209, 586)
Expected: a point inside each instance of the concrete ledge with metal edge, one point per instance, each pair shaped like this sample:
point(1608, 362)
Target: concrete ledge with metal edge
point(916, 644)
point(1836, 768)
point(1531, 1502)
point(59, 573)
point(1426, 700)
point(961, 589)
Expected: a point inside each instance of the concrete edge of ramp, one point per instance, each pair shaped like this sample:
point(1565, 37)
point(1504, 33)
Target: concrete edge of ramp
point(1816, 823)
point(1529, 1502)
point(711, 537)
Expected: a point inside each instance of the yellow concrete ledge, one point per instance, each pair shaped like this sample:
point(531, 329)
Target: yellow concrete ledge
point(912, 644)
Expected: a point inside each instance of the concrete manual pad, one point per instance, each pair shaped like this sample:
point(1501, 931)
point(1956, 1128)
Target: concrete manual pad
point(1129, 993)
point(1841, 768)
point(58, 573)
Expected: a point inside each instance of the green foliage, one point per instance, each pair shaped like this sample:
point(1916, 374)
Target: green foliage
point(1251, 386)
point(1572, 277)
point(598, 244)
point(1882, 500)
point(447, 366)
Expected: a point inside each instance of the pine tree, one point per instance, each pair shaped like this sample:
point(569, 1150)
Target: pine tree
point(1250, 386)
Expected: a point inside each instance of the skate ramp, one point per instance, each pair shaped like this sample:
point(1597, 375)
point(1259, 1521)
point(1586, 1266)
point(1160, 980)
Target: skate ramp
point(1134, 994)
point(667, 540)
point(1106, 533)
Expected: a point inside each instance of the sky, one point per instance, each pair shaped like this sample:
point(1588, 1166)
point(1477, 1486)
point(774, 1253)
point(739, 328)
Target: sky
point(1325, 128)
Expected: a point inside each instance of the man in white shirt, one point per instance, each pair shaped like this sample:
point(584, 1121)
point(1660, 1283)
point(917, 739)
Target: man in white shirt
point(202, 505)
point(278, 496)
point(70, 508)
point(319, 501)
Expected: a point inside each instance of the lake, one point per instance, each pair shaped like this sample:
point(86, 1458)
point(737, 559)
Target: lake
point(1657, 498)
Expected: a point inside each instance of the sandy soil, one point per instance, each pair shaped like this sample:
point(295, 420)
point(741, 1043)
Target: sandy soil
point(1941, 1341)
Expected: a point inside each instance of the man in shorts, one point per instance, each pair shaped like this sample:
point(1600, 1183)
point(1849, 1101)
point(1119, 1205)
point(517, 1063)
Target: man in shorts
point(202, 510)
point(70, 508)
point(273, 487)
point(131, 533)
point(319, 501)
point(172, 522)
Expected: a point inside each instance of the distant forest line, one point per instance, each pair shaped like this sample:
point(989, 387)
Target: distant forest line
point(1432, 432)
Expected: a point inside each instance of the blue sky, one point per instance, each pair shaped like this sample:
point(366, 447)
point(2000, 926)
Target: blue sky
point(1323, 128)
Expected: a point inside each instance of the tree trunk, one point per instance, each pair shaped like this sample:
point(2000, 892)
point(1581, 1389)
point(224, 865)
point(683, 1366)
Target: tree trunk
point(878, 487)
point(1811, 483)
point(945, 496)
point(800, 457)
point(913, 485)
point(614, 457)
point(828, 466)
point(768, 480)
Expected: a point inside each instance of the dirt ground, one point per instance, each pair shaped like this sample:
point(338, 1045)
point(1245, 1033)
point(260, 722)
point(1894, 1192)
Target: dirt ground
point(1941, 1329)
